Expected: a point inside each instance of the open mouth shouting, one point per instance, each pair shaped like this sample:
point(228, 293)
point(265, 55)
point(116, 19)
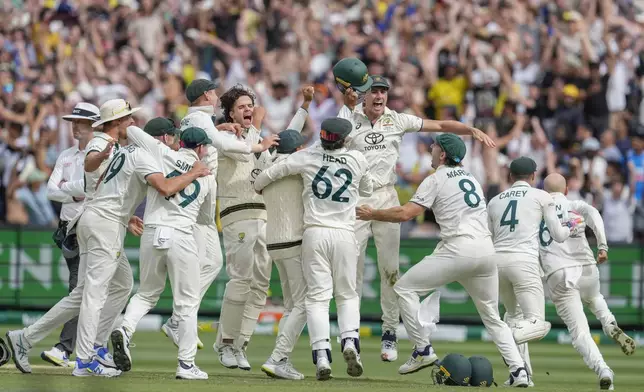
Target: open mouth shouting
point(378, 104)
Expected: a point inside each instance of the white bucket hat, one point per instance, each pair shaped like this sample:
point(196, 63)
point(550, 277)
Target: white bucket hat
point(113, 110)
point(83, 111)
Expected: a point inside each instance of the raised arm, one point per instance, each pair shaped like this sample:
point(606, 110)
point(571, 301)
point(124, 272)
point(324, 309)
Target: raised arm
point(457, 128)
point(298, 120)
point(94, 158)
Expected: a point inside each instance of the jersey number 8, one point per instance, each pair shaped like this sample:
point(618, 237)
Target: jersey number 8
point(188, 198)
point(328, 188)
point(472, 199)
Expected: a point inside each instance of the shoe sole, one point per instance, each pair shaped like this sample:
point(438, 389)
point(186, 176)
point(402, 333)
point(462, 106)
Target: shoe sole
point(626, 342)
point(354, 367)
point(246, 368)
point(121, 359)
point(13, 355)
point(189, 378)
point(323, 374)
point(423, 366)
point(51, 360)
point(605, 383)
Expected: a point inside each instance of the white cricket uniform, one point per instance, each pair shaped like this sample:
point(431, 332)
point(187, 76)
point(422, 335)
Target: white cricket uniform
point(207, 235)
point(243, 219)
point(465, 255)
point(380, 144)
point(119, 288)
point(101, 230)
point(168, 245)
point(284, 230)
point(68, 168)
point(515, 218)
point(333, 182)
point(572, 278)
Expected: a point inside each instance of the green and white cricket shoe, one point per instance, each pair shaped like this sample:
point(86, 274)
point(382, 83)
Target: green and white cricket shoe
point(242, 359)
point(226, 355)
point(419, 360)
point(19, 347)
point(57, 357)
point(625, 342)
point(282, 369)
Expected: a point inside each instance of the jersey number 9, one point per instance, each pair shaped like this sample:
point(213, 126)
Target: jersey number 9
point(114, 167)
point(328, 188)
point(188, 198)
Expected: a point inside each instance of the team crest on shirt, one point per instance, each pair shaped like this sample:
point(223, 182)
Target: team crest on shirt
point(241, 236)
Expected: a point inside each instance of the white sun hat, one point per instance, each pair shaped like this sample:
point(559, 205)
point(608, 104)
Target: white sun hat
point(83, 111)
point(113, 110)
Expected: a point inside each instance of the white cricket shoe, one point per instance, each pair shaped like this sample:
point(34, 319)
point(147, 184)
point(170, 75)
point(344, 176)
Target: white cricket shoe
point(518, 379)
point(104, 357)
point(606, 379)
point(226, 355)
point(282, 369)
point(530, 383)
point(121, 346)
point(171, 331)
point(190, 372)
point(94, 368)
point(389, 347)
point(56, 357)
point(19, 347)
point(626, 342)
point(242, 359)
point(323, 366)
point(419, 360)
point(352, 358)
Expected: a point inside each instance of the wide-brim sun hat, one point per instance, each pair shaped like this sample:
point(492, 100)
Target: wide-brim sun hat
point(83, 111)
point(113, 110)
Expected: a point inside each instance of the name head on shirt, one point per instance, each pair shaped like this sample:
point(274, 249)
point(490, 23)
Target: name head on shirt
point(329, 158)
point(457, 173)
point(183, 166)
point(513, 193)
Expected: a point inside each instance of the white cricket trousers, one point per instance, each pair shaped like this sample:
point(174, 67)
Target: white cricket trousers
point(249, 269)
point(472, 264)
point(570, 288)
point(387, 238)
point(102, 239)
point(294, 293)
point(180, 262)
point(329, 263)
point(521, 287)
point(69, 307)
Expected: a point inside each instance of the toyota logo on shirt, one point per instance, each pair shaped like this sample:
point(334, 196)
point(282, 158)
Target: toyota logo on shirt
point(373, 140)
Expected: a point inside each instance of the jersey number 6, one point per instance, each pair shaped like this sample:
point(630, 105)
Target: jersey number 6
point(328, 188)
point(189, 198)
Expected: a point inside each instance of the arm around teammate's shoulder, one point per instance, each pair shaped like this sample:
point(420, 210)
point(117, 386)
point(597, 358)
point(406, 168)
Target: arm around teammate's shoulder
point(138, 137)
point(558, 231)
point(169, 186)
point(294, 164)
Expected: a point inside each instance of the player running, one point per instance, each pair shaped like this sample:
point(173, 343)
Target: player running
point(465, 255)
point(515, 218)
point(377, 133)
point(333, 177)
point(572, 279)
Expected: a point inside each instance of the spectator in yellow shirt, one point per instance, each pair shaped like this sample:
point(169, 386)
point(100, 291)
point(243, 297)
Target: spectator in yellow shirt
point(449, 90)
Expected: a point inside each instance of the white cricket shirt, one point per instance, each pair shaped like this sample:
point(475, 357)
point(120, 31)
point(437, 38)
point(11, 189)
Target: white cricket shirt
point(380, 142)
point(98, 144)
point(332, 181)
point(575, 250)
point(515, 217)
point(123, 185)
point(458, 202)
point(69, 167)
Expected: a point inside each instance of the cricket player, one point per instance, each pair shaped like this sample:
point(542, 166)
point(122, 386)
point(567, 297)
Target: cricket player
point(333, 178)
point(377, 133)
point(515, 217)
point(100, 149)
point(168, 248)
point(102, 228)
point(572, 279)
point(201, 114)
point(465, 255)
point(66, 186)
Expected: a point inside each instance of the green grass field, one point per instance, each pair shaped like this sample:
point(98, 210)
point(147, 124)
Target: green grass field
point(557, 368)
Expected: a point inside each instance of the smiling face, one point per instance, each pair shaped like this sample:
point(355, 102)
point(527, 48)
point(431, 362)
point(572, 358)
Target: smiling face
point(375, 100)
point(242, 111)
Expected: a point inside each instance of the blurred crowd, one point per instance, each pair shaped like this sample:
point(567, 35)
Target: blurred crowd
point(559, 81)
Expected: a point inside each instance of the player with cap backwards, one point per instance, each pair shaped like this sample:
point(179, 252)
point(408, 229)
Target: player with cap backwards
point(168, 245)
point(333, 178)
point(377, 133)
point(284, 228)
point(572, 279)
point(201, 114)
point(66, 186)
point(515, 217)
point(115, 115)
point(465, 255)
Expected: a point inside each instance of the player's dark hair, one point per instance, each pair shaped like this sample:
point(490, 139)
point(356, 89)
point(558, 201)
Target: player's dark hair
point(330, 146)
point(231, 96)
point(451, 163)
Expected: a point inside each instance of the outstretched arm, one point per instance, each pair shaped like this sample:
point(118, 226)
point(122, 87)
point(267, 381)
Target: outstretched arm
point(395, 214)
point(457, 128)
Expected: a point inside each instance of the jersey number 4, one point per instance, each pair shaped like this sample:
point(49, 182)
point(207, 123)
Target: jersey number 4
point(328, 188)
point(511, 210)
point(188, 198)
